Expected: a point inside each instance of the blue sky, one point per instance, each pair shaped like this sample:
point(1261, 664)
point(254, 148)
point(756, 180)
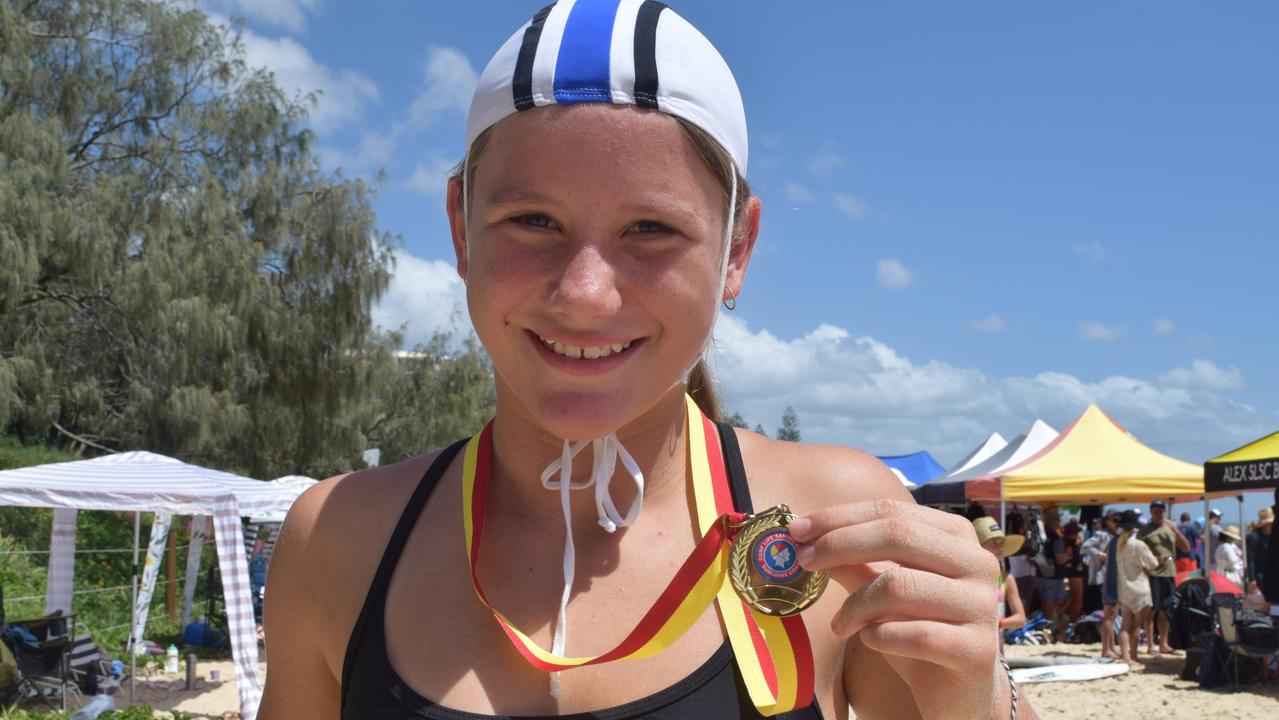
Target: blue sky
point(976, 214)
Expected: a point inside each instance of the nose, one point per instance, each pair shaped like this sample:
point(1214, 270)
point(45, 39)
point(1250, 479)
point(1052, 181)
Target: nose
point(587, 285)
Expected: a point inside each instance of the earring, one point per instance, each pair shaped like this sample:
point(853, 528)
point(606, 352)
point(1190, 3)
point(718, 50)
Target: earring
point(731, 303)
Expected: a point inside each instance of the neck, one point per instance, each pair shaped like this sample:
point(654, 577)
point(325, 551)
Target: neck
point(522, 449)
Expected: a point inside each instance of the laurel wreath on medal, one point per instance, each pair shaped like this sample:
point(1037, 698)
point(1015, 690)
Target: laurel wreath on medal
point(778, 599)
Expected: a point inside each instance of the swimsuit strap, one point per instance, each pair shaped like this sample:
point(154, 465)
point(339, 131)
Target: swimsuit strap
point(738, 487)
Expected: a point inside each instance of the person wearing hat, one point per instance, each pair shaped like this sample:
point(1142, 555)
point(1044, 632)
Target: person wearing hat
point(1164, 539)
point(601, 219)
point(1135, 560)
point(1012, 614)
point(1257, 547)
point(1228, 558)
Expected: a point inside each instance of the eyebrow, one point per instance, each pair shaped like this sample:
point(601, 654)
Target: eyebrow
point(515, 195)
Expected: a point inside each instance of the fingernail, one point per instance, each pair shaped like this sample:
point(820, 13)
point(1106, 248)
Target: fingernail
point(805, 554)
point(800, 527)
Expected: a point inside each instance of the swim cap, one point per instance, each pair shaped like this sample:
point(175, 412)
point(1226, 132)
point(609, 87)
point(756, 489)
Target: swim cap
point(625, 52)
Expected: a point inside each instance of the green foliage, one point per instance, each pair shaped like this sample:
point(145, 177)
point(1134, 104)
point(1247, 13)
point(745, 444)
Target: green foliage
point(790, 426)
point(177, 273)
point(736, 420)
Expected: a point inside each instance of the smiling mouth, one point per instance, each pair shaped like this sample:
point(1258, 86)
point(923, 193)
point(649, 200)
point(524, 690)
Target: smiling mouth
point(584, 353)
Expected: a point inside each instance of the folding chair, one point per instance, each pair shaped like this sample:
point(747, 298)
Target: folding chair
point(1226, 608)
point(90, 667)
point(44, 668)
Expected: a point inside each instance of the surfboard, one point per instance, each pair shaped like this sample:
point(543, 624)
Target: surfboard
point(1069, 673)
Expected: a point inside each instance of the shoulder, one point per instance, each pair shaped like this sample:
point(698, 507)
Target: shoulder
point(329, 548)
point(820, 475)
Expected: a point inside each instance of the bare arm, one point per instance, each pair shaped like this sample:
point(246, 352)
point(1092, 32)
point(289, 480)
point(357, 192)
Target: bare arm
point(1016, 616)
point(300, 683)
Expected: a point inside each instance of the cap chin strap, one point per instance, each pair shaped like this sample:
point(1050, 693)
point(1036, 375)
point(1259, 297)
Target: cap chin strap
point(606, 452)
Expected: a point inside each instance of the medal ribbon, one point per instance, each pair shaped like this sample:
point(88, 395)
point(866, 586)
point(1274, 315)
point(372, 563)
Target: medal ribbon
point(773, 654)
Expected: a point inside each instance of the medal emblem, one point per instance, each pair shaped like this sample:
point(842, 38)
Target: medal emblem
point(764, 569)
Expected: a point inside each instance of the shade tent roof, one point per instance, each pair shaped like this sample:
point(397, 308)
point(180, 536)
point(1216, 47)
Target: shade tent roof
point(1254, 466)
point(1022, 448)
point(918, 467)
point(937, 492)
point(139, 481)
point(296, 484)
point(1095, 461)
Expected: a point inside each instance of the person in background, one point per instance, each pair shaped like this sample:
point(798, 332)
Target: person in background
point(1019, 564)
point(1228, 557)
point(1257, 548)
point(1076, 572)
point(1270, 577)
point(1012, 614)
point(1052, 572)
point(1096, 550)
point(1164, 539)
point(1214, 524)
point(1135, 560)
point(1188, 559)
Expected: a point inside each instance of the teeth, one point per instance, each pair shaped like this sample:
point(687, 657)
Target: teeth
point(590, 353)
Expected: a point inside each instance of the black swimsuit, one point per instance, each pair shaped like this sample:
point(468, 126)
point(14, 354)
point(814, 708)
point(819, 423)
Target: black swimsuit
point(373, 690)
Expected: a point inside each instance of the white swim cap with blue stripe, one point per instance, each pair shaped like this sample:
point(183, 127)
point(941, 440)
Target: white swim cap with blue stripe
point(630, 52)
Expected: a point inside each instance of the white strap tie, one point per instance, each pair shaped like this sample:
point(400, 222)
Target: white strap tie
point(606, 450)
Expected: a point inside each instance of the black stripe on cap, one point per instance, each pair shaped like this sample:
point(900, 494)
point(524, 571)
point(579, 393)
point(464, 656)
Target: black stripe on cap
point(646, 53)
point(522, 83)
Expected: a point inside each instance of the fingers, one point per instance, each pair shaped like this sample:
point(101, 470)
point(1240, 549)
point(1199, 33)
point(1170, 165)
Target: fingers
point(950, 646)
point(903, 541)
point(823, 521)
point(906, 594)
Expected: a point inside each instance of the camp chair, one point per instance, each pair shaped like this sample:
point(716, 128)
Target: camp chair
point(90, 667)
point(1226, 608)
point(44, 667)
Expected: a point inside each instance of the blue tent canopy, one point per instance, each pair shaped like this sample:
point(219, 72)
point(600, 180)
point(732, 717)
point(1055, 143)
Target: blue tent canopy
point(919, 467)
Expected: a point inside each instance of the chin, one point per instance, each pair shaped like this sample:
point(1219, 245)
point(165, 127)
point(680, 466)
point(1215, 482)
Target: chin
point(589, 413)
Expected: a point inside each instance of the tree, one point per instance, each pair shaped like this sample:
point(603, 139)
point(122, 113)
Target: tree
point(760, 429)
point(736, 420)
point(790, 426)
point(176, 270)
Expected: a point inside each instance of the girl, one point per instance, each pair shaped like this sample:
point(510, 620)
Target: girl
point(1011, 614)
point(1135, 560)
point(599, 219)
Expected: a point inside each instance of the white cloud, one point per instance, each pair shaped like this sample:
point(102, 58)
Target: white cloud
point(342, 95)
point(992, 323)
point(825, 162)
point(893, 275)
point(287, 14)
point(1204, 374)
point(430, 178)
point(448, 80)
point(852, 206)
point(1164, 326)
point(424, 296)
point(797, 194)
point(860, 392)
point(1090, 331)
point(1092, 251)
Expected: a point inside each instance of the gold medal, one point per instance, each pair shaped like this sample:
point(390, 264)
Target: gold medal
point(764, 569)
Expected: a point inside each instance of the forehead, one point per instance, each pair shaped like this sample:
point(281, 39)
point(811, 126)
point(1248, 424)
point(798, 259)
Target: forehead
point(618, 149)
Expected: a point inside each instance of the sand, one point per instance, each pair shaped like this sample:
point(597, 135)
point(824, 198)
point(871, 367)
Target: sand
point(1153, 693)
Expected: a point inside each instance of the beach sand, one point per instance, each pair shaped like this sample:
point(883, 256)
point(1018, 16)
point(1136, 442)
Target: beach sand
point(1153, 693)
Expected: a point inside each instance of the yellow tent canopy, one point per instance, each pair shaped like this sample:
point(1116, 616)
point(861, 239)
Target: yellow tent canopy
point(1254, 466)
point(1094, 461)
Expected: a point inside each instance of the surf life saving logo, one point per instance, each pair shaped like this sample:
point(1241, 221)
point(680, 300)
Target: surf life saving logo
point(775, 556)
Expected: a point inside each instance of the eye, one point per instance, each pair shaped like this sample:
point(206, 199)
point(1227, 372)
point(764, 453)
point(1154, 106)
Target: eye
point(534, 220)
point(651, 227)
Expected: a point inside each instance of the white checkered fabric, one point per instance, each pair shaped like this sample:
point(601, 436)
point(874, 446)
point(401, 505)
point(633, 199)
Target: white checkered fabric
point(229, 535)
point(61, 575)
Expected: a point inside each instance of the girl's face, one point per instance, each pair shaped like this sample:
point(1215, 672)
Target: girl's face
point(995, 546)
point(592, 258)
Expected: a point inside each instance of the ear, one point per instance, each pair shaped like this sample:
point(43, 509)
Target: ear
point(739, 254)
point(455, 209)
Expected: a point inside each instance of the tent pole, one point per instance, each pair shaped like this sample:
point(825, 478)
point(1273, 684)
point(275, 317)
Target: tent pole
point(133, 609)
point(1244, 538)
point(1207, 538)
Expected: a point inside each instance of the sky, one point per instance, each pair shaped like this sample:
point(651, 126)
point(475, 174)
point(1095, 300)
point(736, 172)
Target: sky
point(975, 214)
